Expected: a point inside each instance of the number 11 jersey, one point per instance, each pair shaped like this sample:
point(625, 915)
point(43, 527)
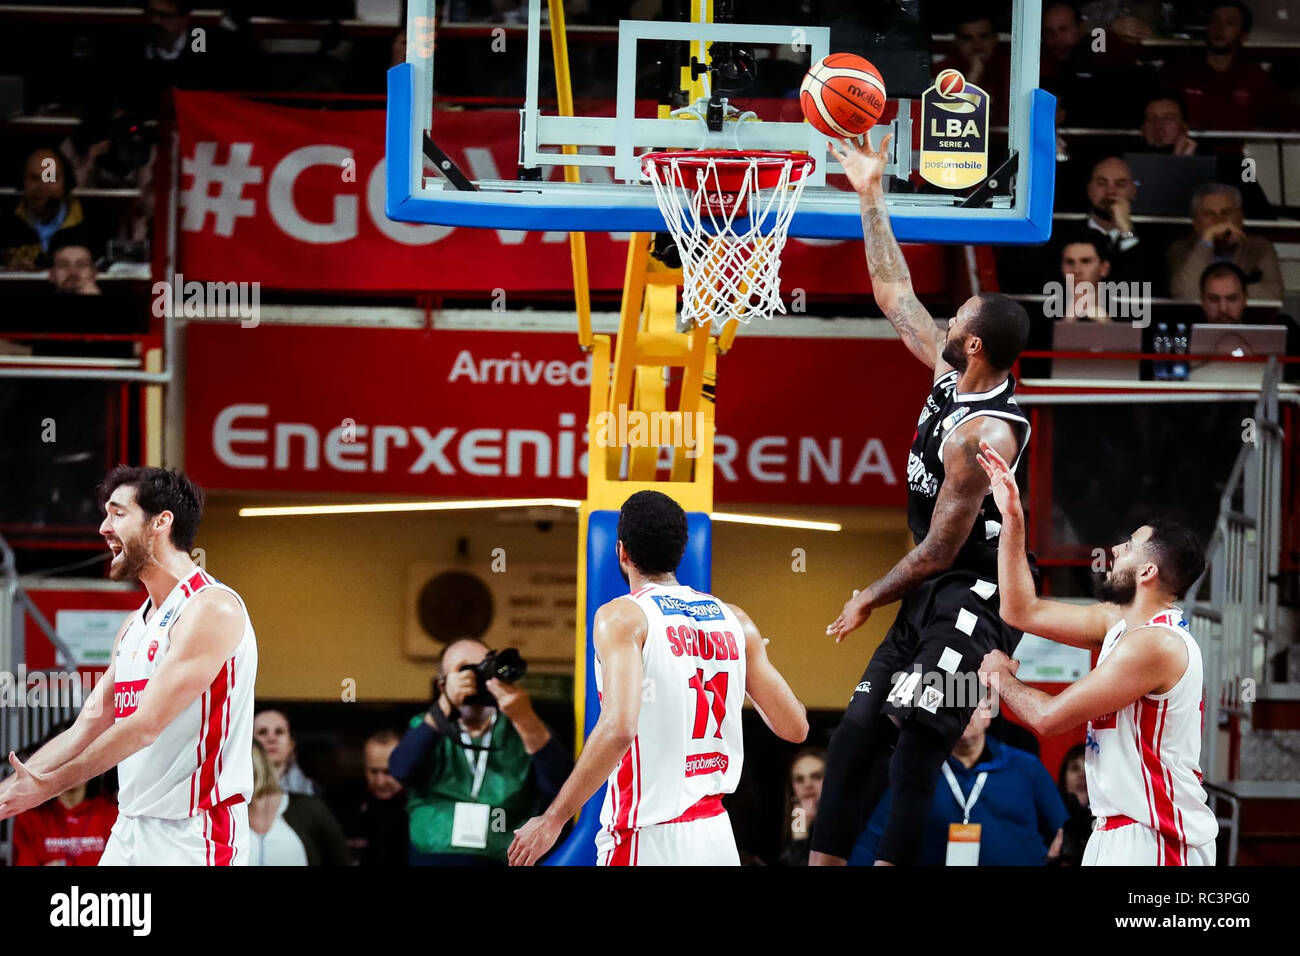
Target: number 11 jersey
point(688, 744)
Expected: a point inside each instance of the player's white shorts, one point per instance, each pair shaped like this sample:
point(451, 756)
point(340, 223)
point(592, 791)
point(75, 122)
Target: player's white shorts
point(700, 842)
point(210, 838)
point(1136, 845)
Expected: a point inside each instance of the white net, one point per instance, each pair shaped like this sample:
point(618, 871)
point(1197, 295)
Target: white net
point(730, 217)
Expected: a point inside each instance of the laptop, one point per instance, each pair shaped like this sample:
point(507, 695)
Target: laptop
point(1226, 339)
point(1165, 183)
point(1099, 337)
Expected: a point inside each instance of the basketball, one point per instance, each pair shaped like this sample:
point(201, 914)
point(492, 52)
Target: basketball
point(950, 82)
point(842, 95)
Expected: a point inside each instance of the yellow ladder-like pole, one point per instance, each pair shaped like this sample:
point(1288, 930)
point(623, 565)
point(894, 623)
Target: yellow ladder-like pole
point(572, 174)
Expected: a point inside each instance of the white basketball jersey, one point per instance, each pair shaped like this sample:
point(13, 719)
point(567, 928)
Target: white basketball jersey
point(688, 743)
point(1143, 762)
point(204, 758)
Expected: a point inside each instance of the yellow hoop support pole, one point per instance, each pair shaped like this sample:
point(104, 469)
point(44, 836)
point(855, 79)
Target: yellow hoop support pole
point(577, 240)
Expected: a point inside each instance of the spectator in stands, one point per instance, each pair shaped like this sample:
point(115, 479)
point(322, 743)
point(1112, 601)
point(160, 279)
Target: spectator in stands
point(1164, 130)
point(1083, 267)
point(177, 54)
point(271, 728)
point(1008, 792)
point(289, 829)
point(1223, 294)
point(1094, 87)
point(981, 60)
point(1164, 127)
point(1072, 783)
point(69, 830)
point(1131, 22)
point(473, 778)
point(46, 207)
point(373, 814)
point(72, 263)
point(1217, 236)
point(1110, 193)
point(803, 793)
point(1222, 87)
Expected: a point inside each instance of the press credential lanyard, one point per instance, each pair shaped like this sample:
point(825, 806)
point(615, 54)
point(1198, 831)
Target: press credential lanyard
point(964, 802)
point(479, 768)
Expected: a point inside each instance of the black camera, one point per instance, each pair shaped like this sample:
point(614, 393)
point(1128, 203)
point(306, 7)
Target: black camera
point(505, 665)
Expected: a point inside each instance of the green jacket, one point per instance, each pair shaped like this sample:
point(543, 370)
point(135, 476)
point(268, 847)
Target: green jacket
point(507, 788)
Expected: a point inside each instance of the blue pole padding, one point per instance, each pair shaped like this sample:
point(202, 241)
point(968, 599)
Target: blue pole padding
point(604, 584)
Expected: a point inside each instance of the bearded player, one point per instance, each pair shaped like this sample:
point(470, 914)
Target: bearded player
point(174, 710)
point(920, 688)
point(673, 666)
point(1142, 701)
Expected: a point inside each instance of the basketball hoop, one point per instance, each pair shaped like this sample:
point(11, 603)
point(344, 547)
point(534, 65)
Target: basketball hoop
point(729, 212)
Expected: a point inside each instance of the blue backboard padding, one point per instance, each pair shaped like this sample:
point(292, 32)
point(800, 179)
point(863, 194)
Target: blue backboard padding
point(605, 583)
point(909, 224)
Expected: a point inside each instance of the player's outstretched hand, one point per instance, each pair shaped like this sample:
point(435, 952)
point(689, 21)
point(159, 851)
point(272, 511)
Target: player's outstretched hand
point(855, 613)
point(1002, 480)
point(863, 165)
point(26, 789)
point(532, 840)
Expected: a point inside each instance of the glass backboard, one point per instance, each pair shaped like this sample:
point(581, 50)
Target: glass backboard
point(972, 166)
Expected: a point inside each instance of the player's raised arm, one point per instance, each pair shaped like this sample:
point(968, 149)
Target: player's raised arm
point(1150, 660)
point(891, 282)
point(618, 633)
point(964, 486)
point(1021, 607)
point(202, 642)
point(776, 703)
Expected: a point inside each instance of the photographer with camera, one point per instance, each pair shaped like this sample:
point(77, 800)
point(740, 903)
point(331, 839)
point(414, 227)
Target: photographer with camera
point(478, 763)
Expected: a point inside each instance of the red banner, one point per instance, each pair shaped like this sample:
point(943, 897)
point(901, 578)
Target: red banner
point(294, 198)
point(499, 414)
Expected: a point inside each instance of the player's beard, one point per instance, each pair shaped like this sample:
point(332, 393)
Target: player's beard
point(1118, 587)
point(135, 556)
point(954, 353)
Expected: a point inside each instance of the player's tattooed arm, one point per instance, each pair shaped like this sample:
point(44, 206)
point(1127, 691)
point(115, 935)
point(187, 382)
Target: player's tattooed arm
point(963, 489)
point(964, 486)
point(891, 284)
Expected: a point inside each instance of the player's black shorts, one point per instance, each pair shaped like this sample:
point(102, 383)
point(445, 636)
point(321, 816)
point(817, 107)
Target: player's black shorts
point(926, 669)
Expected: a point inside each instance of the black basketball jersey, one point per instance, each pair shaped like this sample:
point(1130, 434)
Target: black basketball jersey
point(945, 408)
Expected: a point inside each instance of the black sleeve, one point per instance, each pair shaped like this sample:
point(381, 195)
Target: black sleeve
point(415, 757)
point(550, 768)
point(321, 835)
point(331, 844)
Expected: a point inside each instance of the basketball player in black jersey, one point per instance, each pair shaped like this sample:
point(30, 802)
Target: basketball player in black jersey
point(921, 685)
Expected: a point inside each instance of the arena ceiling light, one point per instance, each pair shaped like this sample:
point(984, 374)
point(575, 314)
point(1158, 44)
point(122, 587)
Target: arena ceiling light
point(774, 522)
point(381, 507)
point(482, 504)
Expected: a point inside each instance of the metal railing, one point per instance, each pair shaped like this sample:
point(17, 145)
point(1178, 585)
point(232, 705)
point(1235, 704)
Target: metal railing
point(35, 702)
point(1233, 606)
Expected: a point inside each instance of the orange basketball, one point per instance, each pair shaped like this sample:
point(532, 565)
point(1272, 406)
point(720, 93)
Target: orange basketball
point(842, 95)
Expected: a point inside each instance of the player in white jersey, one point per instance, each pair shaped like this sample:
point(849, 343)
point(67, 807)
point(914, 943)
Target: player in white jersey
point(1143, 700)
point(673, 668)
point(174, 710)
